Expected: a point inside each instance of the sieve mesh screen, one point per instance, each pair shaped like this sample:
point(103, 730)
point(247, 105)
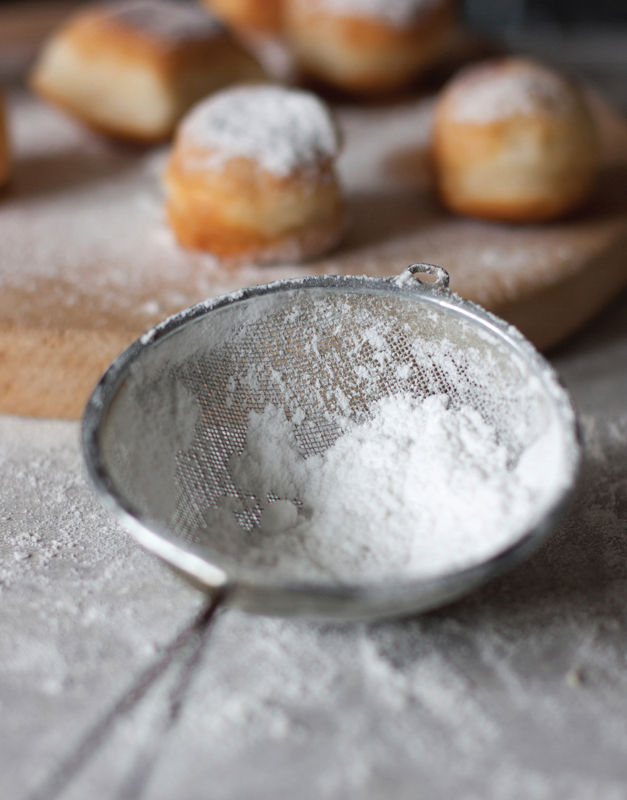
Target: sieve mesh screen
point(325, 358)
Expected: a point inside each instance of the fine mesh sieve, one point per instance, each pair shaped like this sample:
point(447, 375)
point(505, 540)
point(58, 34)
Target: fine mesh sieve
point(164, 424)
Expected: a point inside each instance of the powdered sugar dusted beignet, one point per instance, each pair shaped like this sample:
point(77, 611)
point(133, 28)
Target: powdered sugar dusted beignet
point(264, 16)
point(513, 140)
point(132, 69)
point(251, 176)
point(367, 45)
point(5, 153)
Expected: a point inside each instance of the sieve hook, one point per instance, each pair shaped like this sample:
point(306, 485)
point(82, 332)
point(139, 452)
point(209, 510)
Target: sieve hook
point(440, 275)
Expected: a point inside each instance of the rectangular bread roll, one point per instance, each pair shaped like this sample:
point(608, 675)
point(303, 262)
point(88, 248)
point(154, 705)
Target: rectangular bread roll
point(132, 69)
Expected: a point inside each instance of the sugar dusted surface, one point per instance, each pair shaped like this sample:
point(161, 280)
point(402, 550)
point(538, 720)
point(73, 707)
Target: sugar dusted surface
point(280, 130)
point(171, 21)
point(509, 88)
point(393, 12)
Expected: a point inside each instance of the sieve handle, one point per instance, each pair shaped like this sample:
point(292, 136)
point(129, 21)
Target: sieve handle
point(413, 273)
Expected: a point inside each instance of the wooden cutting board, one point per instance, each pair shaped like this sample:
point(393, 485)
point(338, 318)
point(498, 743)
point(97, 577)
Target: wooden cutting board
point(87, 262)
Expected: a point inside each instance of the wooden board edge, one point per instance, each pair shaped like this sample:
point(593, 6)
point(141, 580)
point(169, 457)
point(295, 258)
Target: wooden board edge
point(51, 373)
point(552, 313)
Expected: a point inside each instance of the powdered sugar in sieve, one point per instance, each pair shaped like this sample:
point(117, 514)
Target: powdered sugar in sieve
point(335, 446)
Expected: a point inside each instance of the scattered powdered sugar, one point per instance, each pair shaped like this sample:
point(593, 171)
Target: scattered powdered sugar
point(281, 129)
point(420, 488)
point(394, 12)
point(507, 88)
point(170, 21)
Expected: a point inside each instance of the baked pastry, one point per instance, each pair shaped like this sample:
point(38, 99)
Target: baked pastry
point(367, 45)
point(132, 69)
point(263, 16)
point(251, 176)
point(514, 141)
point(5, 155)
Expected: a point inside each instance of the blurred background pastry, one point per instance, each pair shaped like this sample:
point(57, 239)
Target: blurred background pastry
point(251, 176)
point(367, 46)
point(513, 140)
point(132, 69)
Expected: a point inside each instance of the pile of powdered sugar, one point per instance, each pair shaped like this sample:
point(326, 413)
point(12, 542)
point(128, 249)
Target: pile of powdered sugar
point(509, 88)
point(281, 130)
point(420, 488)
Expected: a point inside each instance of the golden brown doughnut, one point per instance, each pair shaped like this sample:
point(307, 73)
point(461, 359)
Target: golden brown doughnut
point(513, 140)
point(132, 69)
point(367, 45)
point(251, 176)
point(5, 153)
point(264, 16)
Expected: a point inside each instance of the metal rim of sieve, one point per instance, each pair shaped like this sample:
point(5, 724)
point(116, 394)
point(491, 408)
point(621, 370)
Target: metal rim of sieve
point(315, 599)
